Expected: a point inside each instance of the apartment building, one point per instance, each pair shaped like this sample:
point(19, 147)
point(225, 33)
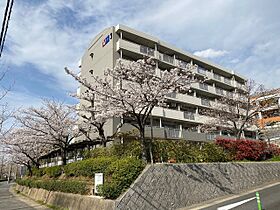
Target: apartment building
point(269, 116)
point(183, 117)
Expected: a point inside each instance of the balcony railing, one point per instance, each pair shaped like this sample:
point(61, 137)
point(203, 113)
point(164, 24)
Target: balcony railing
point(205, 102)
point(220, 91)
point(229, 94)
point(182, 64)
point(189, 115)
point(227, 81)
point(217, 77)
point(203, 86)
point(171, 95)
point(172, 133)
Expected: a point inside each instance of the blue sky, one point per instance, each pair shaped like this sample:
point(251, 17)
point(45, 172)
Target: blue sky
point(44, 36)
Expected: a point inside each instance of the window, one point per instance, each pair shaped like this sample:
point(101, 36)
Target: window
point(201, 70)
point(147, 50)
point(167, 58)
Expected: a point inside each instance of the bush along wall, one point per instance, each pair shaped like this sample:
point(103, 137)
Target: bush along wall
point(119, 174)
point(182, 151)
point(253, 150)
point(67, 186)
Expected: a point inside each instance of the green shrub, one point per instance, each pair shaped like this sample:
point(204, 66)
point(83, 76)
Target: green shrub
point(120, 175)
point(98, 152)
point(38, 172)
point(53, 172)
point(187, 152)
point(213, 153)
point(68, 186)
point(129, 149)
point(275, 158)
point(88, 167)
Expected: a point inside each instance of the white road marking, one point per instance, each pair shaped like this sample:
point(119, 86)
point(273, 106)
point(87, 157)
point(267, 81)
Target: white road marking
point(233, 205)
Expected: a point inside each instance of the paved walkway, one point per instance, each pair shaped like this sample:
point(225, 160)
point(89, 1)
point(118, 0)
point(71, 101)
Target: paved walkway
point(12, 201)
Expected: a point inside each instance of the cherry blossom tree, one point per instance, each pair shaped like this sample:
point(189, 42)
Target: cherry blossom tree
point(235, 112)
point(53, 123)
point(94, 113)
point(25, 147)
point(133, 89)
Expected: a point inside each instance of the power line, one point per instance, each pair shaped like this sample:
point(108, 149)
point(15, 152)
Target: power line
point(5, 24)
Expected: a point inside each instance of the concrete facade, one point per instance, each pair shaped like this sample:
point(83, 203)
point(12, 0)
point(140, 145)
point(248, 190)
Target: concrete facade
point(183, 116)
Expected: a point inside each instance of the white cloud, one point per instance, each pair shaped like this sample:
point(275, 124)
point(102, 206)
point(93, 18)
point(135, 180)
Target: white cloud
point(21, 100)
point(210, 53)
point(44, 35)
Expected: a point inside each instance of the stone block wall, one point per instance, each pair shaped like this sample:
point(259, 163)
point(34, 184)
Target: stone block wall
point(173, 186)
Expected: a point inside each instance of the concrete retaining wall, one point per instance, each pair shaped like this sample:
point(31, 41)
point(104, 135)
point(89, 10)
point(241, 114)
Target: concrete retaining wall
point(67, 200)
point(173, 186)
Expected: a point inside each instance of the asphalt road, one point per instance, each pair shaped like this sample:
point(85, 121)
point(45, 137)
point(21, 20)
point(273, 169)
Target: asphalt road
point(10, 201)
point(270, 199)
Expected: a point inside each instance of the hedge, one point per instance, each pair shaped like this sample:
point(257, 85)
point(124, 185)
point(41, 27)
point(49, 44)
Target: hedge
point(53, 172)
point(88, 167)
point(129, 149)
point(67, 186)
point(183, 151)
point(120, 175)
point(244, 149)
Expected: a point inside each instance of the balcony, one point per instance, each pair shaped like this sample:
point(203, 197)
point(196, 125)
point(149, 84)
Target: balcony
point(217, 77)
point(182, 64)
point(136, 48)
point(184, 98)
point(201, 70)
point(173, 114)
point(220, 91)
point(170, 60)
point(239, 86)
point(189, 115)
point(203, 86)
point(227, 81)
point(147, 51)
point(166, 58)
point(205, 102)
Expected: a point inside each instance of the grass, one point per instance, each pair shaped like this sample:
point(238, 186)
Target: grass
point(51, 206)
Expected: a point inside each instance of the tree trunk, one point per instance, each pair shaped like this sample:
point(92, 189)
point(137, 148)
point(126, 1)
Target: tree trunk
point(238, 135)
point(29, 168)
point(102, 136)
point(64, 156)
point(143, 144)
